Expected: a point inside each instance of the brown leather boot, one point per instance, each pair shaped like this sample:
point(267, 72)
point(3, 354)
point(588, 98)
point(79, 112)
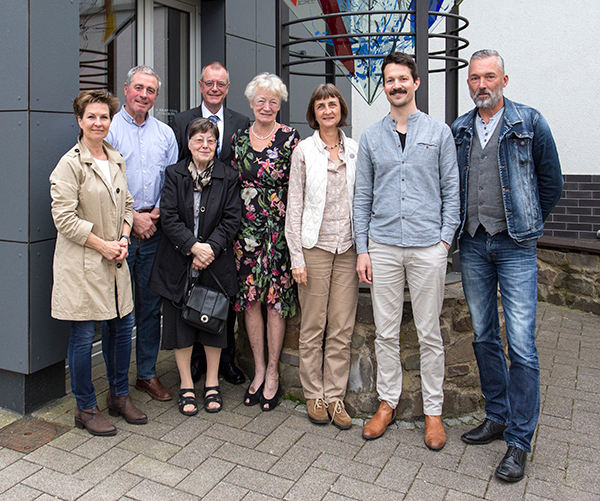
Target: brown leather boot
point(124, 406)
point(94, 422)
point(435, 436)
point(377, 425)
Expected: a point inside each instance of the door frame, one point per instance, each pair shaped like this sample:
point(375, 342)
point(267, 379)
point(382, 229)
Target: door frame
point(145, 37)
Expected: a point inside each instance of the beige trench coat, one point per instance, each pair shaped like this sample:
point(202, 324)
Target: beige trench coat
point(83, 202)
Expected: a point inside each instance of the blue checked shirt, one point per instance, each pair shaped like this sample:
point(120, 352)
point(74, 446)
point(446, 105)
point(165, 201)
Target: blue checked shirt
point(148, 149)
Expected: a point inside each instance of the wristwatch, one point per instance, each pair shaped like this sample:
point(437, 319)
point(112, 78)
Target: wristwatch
point(127, 237)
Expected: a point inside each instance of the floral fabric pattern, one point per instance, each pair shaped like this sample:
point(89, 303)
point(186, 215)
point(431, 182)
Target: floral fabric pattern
point(261, 253)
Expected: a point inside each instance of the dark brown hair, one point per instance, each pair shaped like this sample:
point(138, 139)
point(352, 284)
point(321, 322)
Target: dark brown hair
point(404, 60)
point(203, 125)
point(325, 91)
point(87, 97)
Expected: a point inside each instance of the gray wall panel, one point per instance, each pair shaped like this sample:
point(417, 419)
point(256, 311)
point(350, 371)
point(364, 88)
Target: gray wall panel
point(266, 22)
point(13, 47)
point(14, 172)
point(241, 62)
point(52, 135)
point(240, 17)
point(48, 337)
point(213, 37)
point(265, 58)
point(54, 63)
point(14, 304)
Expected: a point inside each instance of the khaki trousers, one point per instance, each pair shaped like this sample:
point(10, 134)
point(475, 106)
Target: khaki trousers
point(328, 303)
point(425, 270)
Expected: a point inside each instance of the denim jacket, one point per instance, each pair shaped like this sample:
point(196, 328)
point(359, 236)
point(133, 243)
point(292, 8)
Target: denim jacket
point(530, 173)
point(407, 197)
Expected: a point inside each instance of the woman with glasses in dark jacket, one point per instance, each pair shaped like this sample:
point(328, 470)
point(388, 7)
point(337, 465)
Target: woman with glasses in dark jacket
point(200, 212)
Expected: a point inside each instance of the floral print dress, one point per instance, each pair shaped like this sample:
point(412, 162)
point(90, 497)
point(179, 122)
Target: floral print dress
point(262, 256)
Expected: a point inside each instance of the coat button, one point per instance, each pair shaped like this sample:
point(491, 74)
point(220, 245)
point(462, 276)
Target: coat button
point(202, 209)
point(118, 190)
point(119, 265)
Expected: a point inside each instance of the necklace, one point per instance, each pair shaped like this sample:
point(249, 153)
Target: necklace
point(261, 137)
point(332, 147)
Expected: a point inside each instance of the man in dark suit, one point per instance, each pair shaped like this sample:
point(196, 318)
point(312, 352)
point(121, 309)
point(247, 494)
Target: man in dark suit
point(214, 86)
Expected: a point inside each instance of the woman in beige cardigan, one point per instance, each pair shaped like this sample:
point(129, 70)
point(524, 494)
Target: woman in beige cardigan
point(318, 229)
point(92, 212)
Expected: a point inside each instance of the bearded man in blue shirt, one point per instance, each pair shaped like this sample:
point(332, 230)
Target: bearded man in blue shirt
point(406, 211)
point(148, 146)
point(510, 181)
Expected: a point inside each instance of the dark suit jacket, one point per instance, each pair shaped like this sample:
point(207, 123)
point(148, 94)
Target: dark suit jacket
point(222, 216)
point(232, 122)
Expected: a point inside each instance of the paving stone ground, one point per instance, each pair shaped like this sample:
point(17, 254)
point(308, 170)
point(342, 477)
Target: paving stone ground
point(242, 453)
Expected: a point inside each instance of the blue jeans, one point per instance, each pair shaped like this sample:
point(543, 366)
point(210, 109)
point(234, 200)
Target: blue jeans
point(512, 395)
point(116, 348)
point(147, 304)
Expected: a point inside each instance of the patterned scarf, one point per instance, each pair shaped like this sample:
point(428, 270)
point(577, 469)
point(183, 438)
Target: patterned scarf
point(201, 179)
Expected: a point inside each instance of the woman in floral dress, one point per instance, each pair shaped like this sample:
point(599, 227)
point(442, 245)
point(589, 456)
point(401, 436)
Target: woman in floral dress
point(262, 155)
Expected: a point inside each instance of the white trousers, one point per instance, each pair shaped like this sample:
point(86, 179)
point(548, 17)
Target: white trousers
point(425, 270)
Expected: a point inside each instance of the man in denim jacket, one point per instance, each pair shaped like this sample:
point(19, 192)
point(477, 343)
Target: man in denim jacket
point(510, 180)
point(406, 211)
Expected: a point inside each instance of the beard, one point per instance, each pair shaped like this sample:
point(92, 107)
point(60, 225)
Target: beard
point(486, 98)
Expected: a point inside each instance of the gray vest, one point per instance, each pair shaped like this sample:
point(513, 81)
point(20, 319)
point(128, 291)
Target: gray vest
point(484, 195)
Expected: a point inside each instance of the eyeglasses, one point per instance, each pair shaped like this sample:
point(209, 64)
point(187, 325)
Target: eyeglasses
point(211, 83)
point(200, 140)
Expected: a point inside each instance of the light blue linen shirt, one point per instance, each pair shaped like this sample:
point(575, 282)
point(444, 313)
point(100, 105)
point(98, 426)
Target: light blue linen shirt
point(148, 149)
point(408, 197)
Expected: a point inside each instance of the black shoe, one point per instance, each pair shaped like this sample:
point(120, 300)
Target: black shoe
point(231, 373)
point(485, 433)
point(512, 466)
point(270, 404)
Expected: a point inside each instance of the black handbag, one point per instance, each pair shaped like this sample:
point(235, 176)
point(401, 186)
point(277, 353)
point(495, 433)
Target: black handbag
point(205, 308)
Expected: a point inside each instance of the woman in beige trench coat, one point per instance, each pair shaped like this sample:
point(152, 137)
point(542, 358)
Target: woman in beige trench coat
point(92, 211)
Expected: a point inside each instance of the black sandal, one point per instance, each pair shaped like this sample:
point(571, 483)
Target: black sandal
point(253, 398)
point(272, 403)
point(213, 397)
point(183, 401)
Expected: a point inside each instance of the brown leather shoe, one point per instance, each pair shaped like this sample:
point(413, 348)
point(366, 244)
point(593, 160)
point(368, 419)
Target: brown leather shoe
point(377, 425)
point(339, 416)
point(317, 411)
point(435, 436)
point(154, 388)
point(94, 422)
point(124, 406)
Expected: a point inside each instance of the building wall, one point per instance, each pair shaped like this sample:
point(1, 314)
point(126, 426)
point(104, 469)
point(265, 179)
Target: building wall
point(549, 48)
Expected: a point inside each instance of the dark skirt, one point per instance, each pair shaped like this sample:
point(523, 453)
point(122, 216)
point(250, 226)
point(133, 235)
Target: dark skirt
point(178, 334)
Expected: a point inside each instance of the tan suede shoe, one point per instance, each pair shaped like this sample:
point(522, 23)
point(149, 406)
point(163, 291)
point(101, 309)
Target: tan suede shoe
point(339, 416)
point(435, 436)
point(377, 425)
point(317, 411)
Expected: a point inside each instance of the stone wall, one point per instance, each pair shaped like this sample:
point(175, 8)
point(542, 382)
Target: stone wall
point(461, 387)
point(569, 279)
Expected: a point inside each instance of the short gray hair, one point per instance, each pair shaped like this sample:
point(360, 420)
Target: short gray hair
point(142, 68)
point(485, 53)
point(266, 82)
point(215, 65)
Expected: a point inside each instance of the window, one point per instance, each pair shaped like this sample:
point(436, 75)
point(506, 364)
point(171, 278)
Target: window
point(113, 40)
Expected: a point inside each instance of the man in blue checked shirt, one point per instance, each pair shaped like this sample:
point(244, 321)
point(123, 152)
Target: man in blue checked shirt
point(406, 211)
point(148, 146)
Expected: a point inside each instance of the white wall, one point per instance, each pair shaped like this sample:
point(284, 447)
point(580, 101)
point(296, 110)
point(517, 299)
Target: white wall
point(550, 48)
